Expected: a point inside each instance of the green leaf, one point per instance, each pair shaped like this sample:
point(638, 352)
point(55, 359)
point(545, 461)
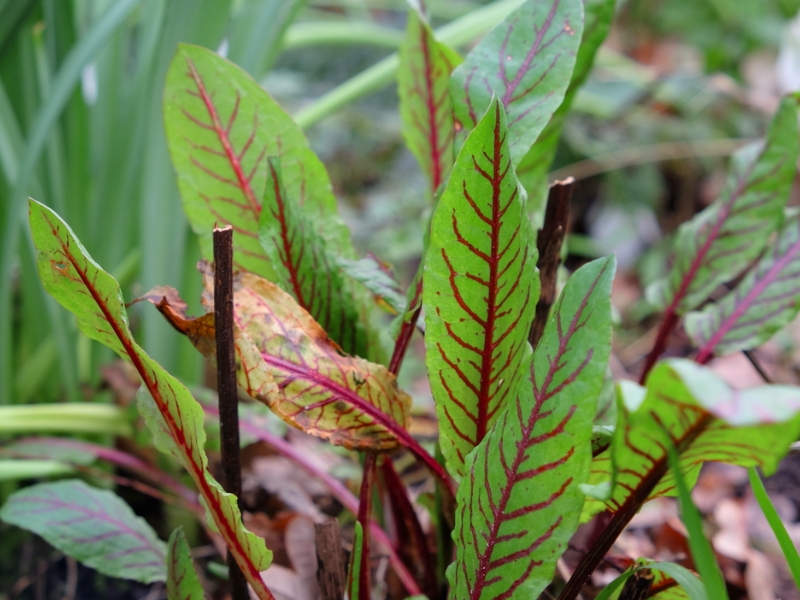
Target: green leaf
point(702, 552)
point(306, 266)
point(70, 275)
point(93, 526)
point(519, 503)
point(691, 586)
point(718, 244)
point(377, 277)
point(221, 125)
point(480, 290)
point(687, 406)
point(425, 106)
point(17, 469)
point(182, 580)
point(674, 582)
point(766, 300)
point(534, 167)
point(775, 522)
point(527, 61)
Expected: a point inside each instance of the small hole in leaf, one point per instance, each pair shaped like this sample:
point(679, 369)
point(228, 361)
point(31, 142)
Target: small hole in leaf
point(60, 266)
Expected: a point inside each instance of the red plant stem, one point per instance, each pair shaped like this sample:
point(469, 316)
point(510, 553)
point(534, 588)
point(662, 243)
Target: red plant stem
point(364, 517)
point(339, 490)
point(228, 394)
point(406, 332)
point(626, 512)
point(669, 323)
point(411, 540)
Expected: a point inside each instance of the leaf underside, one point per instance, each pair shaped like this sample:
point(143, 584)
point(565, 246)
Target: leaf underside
point(93, 526)
point(520, 501)
point(527, 61)
point(719, 243)
point(533, 168)
point(766, 300)
point(70, 275)
point(480, 290)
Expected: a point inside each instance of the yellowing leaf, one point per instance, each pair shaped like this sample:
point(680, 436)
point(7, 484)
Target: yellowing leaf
point(344, 399)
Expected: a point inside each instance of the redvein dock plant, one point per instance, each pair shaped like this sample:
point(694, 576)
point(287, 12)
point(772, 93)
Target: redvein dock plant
point(522, 465)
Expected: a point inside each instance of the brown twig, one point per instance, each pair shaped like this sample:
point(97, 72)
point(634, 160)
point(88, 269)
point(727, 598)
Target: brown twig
point(751, 356)
point(226, 384)
point(638, 585)
point(330, 560)
point(551, 237)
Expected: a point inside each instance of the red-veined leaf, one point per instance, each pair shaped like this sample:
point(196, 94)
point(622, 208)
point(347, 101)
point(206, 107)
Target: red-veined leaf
point(534, 167)
point(377, 277)
point(70, 275)
point(480, 291)
point(93, 526)
point(763, 303)
point(718, 244)
point(520, 500)
point(308, 269)
point(346, 400)
point(425, 105)
point(527, 61)
point(221, 128)
point(221, 125)
point(687, 406)
point(182, 580)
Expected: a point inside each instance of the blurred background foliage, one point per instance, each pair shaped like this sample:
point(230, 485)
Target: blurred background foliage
point(679, 85)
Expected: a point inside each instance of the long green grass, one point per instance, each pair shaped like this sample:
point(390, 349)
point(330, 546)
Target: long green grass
point(81, 130)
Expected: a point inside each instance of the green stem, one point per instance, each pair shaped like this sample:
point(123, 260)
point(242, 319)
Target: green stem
point(318, 33)
point(65, 418)
point(382, 73)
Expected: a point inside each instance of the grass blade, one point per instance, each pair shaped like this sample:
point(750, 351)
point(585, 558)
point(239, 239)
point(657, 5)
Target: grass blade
point(774, 520)
point(63, 84)
point(702, 552)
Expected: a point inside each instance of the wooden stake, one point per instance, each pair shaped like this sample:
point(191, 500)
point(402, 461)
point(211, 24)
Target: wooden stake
point(226, 385)
point(551, 237)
